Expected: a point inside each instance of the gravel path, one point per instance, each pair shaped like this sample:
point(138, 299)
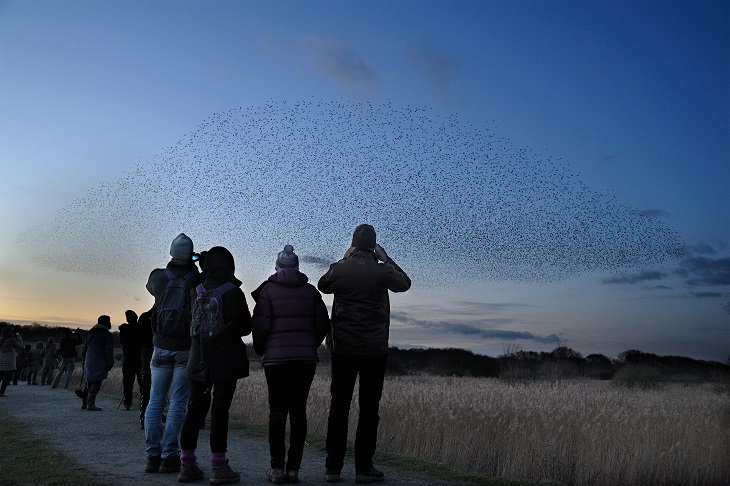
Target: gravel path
point(111, 443)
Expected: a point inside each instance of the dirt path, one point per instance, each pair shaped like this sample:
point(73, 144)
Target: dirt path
point(111, 443)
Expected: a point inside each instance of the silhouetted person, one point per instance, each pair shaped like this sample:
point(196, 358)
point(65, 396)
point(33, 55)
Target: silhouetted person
point(146, 346)
point(359, 346)
point(99, 359)
point(131, 340)
point(49, 362)
point(10, 345)
point(289, 323)
point(67, 348)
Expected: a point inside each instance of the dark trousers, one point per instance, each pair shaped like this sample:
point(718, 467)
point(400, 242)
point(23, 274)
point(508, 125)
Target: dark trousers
point(198, 404)
point(129, 374)
point(288, 385)
point(7, 376)
point(345, 370)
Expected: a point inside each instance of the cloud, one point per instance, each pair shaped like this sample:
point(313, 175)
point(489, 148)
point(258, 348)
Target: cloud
point(317, 261)
point(705, 271)
point(438, 67)
point(653, 213)
point(471, 330)
point(339, 61)
point(635, 278)
point(706, 295)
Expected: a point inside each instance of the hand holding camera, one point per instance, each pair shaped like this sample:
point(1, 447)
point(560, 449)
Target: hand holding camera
point(381, 254)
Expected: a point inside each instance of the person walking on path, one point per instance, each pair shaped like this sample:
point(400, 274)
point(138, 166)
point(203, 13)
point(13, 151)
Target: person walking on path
point(35, 362)
point(10, 345)
point(49, 362)
point(359, 346)
point(131, 340)
point(171, 287)
point(289, 323)
point(67, 348)
point(99, 359)
point(220, 317)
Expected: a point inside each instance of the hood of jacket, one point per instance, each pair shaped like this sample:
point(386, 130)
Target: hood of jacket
point(288, 277)
point(219, 268)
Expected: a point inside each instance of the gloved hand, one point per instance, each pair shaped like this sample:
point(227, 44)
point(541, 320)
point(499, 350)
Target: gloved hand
point(380, 253)
point(348, 252)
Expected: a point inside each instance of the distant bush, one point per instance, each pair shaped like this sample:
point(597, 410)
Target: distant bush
point(640, 376)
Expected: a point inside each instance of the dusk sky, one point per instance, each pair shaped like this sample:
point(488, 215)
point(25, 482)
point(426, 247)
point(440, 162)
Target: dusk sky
point(546, 172)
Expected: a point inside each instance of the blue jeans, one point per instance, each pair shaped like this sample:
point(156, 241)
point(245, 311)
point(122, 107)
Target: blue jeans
point(68, 366)
point(168, 376)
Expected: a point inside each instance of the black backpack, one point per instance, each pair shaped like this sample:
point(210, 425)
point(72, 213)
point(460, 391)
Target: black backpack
point(207, 316)
point(173, 317)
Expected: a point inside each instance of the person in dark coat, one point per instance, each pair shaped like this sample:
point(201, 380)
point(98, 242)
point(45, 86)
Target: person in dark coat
point(213, 368)
point(10, 345)
point(49, 362)
point(130, 339)
point(99, 359)
point(359, 346)
point(35, 362)
point(289, 323)
point(67, 348)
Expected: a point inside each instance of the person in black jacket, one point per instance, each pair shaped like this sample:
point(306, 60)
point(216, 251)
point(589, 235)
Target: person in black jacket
point(145, 337)
point(215, 365)
point(130, 339)
point(359, 346)
point(67, 349)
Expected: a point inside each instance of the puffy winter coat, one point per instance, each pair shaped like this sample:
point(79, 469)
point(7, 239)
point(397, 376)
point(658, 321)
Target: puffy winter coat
point(99, 352)
point(10, 346)
point(289, 319)
point(224, 357)
point(35, 358)
point(361, 305)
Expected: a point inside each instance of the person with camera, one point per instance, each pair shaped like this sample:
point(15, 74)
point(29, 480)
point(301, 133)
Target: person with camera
point(67, 350)
point(358, 342)
point(10, 345)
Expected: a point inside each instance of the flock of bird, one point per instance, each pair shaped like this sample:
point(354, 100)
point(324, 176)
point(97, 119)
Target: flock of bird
point(452, 204)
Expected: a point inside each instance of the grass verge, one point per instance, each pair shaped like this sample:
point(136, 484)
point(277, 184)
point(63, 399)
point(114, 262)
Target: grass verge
point(25, 460)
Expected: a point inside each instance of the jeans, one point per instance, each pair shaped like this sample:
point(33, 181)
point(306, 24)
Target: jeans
point(288, 385)
point(345, 369)
point(68, 366)
point(168, 376)
point(198, 405)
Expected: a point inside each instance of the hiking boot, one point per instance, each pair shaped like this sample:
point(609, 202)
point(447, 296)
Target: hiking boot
point(224, 475)
point(170, 464)
point(276, 476)
point(92, 408)
point(369, 476)
point(190, 472)
point(292, 476)
point(153, 464)
point(332, 476)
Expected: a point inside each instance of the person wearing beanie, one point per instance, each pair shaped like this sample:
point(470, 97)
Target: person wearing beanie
point(170, 353)
point(289, 323)
point(98, 360)
point(217, 361)
point(67, 348)
point(131, 340)
point(358, 342)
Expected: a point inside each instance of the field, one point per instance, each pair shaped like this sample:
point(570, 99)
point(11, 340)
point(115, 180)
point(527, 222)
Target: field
point(574, 432)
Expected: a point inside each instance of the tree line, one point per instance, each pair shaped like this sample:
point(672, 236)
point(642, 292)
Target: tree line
point(631, 367)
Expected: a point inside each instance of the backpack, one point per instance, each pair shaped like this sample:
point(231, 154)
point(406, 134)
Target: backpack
point(173, 318)
point(207, 321)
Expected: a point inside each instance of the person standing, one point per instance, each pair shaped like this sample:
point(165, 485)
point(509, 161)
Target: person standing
point(171, 288)
point(21, 365)
point(289, 323)
point(35, 362)
point(49, 362)
point(131, 341)
point(67, 348)
point(359, 346)
point(99, 359)
point(10, 345)
point(220, 318)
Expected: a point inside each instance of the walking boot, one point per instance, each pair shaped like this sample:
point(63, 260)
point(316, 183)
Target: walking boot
point(84, 395)
point(91, 405)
